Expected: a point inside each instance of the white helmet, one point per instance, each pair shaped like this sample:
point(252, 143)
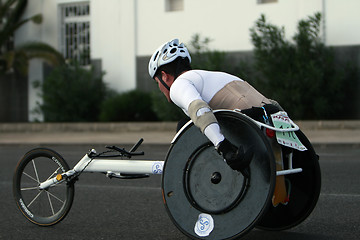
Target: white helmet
point(167, 53)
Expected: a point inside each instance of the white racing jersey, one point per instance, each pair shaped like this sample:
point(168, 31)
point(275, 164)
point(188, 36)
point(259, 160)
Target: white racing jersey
point(198, 84)
point(219, 90)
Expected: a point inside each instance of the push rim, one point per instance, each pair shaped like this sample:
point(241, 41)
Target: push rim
point(204, 182)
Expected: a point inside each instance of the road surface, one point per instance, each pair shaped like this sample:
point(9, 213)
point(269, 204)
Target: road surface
point(133, 209)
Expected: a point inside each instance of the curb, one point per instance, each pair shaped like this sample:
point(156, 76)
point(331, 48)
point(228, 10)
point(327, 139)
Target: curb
point(320, 133)
point(87, 127)
point(151, 126)
point(328, 124)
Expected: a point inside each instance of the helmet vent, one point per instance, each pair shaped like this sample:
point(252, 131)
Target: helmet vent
point(156, 56)
point(166, 54)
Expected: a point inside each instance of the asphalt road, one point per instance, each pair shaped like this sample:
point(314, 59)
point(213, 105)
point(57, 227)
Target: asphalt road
point(133, 209)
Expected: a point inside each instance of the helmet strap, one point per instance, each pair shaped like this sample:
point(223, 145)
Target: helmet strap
point(164, 84)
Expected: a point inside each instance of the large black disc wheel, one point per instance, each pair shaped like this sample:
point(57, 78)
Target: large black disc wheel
point(203, 196)
point(43, 207)
point(304, 190)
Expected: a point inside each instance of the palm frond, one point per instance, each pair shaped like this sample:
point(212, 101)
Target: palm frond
point(42, 50)
point(13, 18)
point(17, 59)
point(18, 10)
point(5, 8)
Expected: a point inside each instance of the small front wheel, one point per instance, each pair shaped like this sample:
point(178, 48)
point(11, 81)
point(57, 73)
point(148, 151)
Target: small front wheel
point(43, 207)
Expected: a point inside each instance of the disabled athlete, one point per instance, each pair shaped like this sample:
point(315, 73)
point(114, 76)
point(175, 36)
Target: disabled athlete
point(198, 92)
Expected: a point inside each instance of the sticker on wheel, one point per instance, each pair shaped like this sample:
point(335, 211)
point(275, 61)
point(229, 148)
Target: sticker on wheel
point(204, 225)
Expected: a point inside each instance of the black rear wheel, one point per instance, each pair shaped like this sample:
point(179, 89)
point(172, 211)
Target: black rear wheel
point(304, 191)
point(203, 196)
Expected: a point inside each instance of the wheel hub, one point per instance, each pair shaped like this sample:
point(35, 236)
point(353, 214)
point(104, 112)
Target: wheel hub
point(211, 185)
point(216, 177)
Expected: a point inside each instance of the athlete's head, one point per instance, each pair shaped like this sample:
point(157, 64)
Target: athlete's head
point(167, 63)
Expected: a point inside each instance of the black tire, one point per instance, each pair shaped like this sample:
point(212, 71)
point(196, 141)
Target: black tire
point(203, 196)
point(42, 207)
point(305, 191)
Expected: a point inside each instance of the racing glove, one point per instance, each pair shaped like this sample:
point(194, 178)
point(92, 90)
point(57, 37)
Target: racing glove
point(235, 157)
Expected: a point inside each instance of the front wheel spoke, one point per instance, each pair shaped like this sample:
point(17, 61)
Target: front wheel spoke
point(51, 206)
point(29, 176)
point(29, 188)
point(35, 198)
point(35, 170)
point(51, 194)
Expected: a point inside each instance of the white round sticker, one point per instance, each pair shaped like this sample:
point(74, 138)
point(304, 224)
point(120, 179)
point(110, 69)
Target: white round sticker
point(204, 225)
point(157, 168)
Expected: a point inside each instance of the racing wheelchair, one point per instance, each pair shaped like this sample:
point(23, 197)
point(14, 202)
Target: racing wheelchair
point(203, 196)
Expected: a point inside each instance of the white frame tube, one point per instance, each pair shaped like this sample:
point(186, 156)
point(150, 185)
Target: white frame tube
point(125, 166)
point(86, 164)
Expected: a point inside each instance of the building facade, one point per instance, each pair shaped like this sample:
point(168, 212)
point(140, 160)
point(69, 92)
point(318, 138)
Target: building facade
point(118, 35)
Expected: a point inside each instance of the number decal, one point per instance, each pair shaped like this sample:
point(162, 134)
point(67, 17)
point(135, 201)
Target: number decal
point(289, 138)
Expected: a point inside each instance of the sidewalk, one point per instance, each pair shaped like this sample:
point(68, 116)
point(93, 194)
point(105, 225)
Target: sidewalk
point(318, 132)
point(87, 133)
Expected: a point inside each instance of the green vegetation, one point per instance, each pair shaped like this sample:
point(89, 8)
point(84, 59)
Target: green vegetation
point(16, 58)
point(204, 58)
point(301, 74)
point(129, 106)
point(71, 93)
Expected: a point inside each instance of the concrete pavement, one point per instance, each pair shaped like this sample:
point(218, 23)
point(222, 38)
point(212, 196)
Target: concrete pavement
point(87, 133)
point(318, 132)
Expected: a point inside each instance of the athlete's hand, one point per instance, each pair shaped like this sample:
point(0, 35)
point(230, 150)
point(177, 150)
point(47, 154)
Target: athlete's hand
point(235, 157)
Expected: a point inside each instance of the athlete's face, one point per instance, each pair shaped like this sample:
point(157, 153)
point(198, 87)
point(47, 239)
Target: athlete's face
point(168, 80)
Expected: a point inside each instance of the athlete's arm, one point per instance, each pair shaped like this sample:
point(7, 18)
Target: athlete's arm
point(185, 95)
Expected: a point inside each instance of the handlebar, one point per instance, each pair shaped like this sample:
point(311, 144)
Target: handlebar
point(133, 149)
point(122, 152)
point(125, 153)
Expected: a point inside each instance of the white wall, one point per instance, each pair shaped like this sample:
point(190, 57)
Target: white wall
point(342, 22)
point(227, 22)
point(45, 32)
point(121, 30)
point(113, 41)
point(117, 38)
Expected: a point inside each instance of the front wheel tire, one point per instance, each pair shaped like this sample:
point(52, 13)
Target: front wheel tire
point(43, 207)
